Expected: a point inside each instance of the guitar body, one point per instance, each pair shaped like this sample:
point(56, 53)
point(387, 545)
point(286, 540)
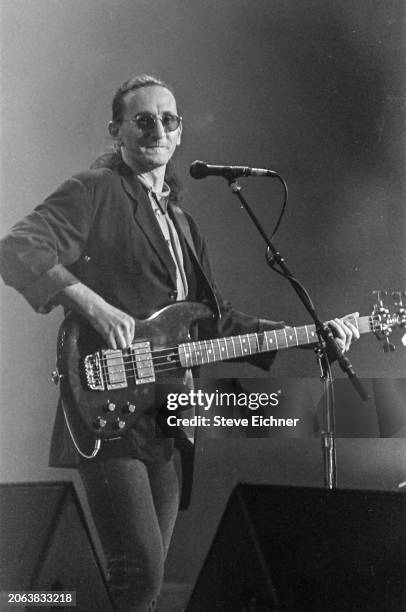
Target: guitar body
point(110, 411)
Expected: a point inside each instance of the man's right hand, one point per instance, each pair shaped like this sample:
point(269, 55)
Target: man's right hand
point(115, 326)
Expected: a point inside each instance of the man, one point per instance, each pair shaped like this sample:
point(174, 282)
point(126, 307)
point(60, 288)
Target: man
point(113, 245)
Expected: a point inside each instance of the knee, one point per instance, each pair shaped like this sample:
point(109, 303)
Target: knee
point(136, 582)
point(145, 584)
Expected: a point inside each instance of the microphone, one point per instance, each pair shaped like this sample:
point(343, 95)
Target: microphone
point(199, 170)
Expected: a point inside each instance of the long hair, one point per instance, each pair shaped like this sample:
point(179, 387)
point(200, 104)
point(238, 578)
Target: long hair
point(112, 158)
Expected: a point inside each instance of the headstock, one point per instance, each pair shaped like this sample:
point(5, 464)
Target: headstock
point(382, 321)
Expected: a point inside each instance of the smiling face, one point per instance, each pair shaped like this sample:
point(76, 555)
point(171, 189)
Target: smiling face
point(150, 150)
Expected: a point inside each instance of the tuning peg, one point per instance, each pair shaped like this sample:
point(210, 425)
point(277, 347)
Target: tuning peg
point(401, 310)
point(397, 298)
point(388, 347)
point(380, 293)
point(56, 376)
point(380, 316)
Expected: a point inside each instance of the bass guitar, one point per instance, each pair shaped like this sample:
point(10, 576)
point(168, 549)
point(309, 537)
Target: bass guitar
point(108, 390)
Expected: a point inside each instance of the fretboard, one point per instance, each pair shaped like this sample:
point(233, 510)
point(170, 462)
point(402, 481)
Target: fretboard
point(221, 349)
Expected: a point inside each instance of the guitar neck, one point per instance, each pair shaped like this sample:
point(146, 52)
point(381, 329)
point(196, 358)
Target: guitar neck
point(221, 349)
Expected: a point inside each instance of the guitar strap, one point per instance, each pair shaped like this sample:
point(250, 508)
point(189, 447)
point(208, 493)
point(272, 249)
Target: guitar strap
point(183, 223)
point(182, 443)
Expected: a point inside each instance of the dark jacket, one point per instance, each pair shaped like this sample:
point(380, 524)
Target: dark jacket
point(99, 228)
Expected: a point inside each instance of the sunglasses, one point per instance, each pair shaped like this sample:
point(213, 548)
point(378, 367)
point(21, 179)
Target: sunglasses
point(146, 122)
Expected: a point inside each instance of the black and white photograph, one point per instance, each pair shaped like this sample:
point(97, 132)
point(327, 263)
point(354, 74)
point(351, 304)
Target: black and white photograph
point(203, 305)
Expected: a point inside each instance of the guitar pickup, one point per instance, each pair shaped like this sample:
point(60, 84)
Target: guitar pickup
point(114, 369)
point(142, 363)
point(105, 370)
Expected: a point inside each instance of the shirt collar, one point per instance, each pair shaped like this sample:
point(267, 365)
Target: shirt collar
point(160, 197)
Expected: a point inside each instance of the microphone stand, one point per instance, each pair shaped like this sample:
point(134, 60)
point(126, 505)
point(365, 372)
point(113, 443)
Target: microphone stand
point(328, 444)
point(327, 346)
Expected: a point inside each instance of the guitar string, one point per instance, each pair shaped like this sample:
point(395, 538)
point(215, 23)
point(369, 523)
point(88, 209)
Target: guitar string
point(161, 363)
point(214, 346)
point(104, 362)
point(160, 358)
point(130, 373)
point(160, 366)
point(206, 345)
point(203, 346)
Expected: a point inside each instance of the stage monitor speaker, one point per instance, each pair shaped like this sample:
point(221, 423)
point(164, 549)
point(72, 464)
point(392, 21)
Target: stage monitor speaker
point(299, 549)
point(46, 545)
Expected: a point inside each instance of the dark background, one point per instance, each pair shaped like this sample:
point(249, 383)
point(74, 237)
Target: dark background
point(312, 89)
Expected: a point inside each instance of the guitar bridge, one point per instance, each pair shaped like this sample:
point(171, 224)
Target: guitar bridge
point(105, 370)
point(93, 371)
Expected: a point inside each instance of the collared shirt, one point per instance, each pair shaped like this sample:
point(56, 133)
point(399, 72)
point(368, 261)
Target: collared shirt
point(159, 203)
